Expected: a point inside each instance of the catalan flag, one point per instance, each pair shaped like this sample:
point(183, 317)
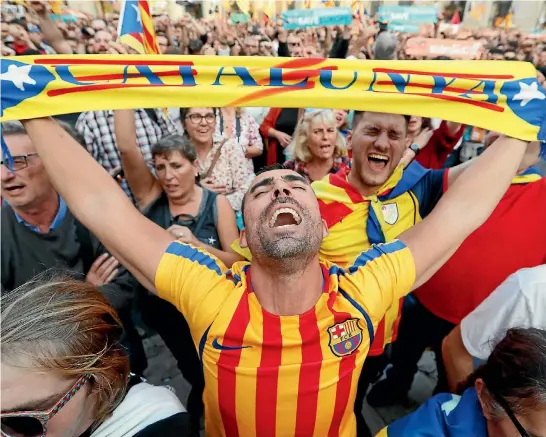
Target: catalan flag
point(136, 28)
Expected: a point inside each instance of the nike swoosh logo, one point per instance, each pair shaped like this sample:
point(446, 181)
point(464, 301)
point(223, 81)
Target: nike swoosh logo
point(220, 347)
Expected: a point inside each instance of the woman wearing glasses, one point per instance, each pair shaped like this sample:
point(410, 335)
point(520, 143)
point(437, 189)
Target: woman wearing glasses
point(64, 373)
point(505, 397)
point(222, 163)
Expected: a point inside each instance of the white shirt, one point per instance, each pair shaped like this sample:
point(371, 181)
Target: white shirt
point(143, 405)
point(519, 302)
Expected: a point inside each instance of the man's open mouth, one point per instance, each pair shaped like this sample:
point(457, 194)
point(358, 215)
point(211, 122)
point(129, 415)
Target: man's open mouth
point(14, 188)
point(284, 217)
point(377, 162)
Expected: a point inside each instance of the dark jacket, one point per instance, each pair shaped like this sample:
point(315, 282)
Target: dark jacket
point(69, 249)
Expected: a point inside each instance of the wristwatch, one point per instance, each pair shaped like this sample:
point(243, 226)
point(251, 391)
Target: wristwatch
point(415, 148)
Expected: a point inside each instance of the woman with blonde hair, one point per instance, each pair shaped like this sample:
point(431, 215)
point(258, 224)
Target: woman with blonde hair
point(318, 148)
point(64, 373)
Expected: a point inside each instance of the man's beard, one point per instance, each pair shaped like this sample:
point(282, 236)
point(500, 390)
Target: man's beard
point(288, 245)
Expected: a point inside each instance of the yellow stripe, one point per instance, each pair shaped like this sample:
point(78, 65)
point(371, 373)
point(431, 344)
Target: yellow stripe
point(289, 375)
point(383, 433)
point(210, 397)
point(328, 373)
point(249, 363)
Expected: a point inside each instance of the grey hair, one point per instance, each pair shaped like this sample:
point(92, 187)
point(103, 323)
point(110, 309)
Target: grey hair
point(15, 127)
point(175, 143)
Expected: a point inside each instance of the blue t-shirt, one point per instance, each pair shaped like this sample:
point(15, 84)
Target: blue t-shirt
point(444, 415)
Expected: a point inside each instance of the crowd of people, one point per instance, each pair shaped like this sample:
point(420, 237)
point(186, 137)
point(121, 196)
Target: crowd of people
point(288, 257)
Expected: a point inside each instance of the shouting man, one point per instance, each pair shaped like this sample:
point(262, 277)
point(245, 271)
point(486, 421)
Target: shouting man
point(282, 339)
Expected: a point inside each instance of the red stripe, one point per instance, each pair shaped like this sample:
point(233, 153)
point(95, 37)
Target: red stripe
point(144, 5)
point(340, 180)
point(270, 92)
point(130, 76)
point(429, 87)
point(227, 364)
point(333, 212)
point(102, 61)
point(267, 378)
point(102, 87)
point(454, 75)
point(378, 345)
point(485, 105)
point(346, 369)
point(308, 387)
point(149, 37)
point(300, 63)
point(396, 324)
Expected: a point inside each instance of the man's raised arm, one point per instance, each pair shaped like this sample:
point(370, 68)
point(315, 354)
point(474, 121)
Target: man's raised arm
point(97, 201)
point(464, 207)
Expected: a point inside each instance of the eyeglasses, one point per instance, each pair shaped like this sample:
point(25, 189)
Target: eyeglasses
point(197, 118)
point(19, 161)
point(502, 402)
point(34, 423)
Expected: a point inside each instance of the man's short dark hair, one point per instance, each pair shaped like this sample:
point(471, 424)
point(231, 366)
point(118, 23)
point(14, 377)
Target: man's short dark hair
point(358, 115)
point(258, 173)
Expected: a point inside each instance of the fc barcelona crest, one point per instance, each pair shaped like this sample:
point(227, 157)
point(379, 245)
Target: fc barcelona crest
point(390, 213)
point(345, 337)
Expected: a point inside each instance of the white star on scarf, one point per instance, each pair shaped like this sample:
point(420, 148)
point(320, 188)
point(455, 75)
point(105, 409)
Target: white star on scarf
point(212, 240)
point(137, 10)
point(19, 76)
point(528, 93)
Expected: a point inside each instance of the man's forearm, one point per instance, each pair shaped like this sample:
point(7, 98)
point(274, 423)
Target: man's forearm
point(464, 207)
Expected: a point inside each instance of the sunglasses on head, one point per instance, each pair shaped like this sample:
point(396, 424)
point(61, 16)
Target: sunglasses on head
point(34, 423)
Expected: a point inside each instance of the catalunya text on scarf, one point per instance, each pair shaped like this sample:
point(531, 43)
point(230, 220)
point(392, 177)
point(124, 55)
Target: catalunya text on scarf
point(495, 95)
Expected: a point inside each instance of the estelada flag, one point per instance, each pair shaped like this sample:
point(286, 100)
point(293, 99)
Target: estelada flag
point(136, 27)
point(502, 96)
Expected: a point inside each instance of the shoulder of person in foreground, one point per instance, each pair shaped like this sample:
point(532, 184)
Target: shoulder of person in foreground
point(444, 415)
point(146, 410)
point(517, 302)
